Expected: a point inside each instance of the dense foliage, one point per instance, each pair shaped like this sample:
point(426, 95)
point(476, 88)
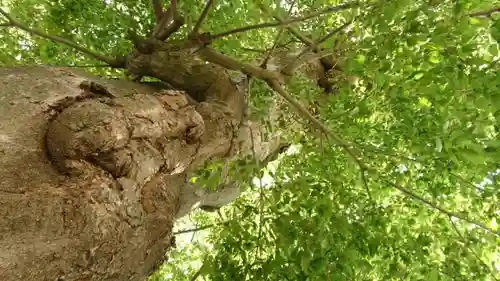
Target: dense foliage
point(418, 200)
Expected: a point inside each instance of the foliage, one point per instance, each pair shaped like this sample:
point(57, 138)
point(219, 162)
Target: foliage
point(423, 118)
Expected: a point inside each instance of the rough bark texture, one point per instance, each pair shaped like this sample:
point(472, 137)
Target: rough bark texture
point(93, 172)
point(106, 162)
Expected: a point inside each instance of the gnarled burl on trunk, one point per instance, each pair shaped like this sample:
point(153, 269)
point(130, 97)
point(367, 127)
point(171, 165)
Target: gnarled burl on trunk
point(93, 172)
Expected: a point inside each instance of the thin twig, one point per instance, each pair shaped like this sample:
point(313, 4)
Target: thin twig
point(276, 86)
point(466, 243)
point(486, 13)
point(70, 66)
point(194, 229)
point(365, 183)
point(288, 69)
point(254, 50)
point(202, 17)
point(253, 27)
point(304, 39)
point(261, 190)
point(112, 62)
point(464, 181)
point(333, 32)
point(276, 40)
point(286, 23)
point(326, 62)
point(82, 66)
point(197, 273)
point(284, 45)
point(418, 198)
point(406, 158)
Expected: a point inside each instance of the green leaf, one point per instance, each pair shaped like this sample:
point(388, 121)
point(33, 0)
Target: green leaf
point(495, 30)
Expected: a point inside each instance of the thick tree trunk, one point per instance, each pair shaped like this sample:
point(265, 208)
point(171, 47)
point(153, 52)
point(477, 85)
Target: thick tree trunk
point(93, 172)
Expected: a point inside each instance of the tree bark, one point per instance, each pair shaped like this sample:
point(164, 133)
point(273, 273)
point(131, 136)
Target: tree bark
point(93, 172)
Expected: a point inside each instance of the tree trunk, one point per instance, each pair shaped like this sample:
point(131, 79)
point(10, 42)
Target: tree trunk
point(94, 172)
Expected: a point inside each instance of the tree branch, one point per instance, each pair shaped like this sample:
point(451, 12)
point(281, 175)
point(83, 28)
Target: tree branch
point(170, 23)
point(286, 23)
point(333, 32)
point(173, 6)
point(158, 9)
point(365, 183)
point(466, 243)
point(73, 66)
point(276, 40)
point(274, 79)
point(194, 229)
point(256, 26)
point(197, 273)
point(227, 62)
point(172, 28)
point(117, 63)
point(304, 39)
point(170, 12)
point(276, 86)
point(326, 62)
point(420, 199)
point(202, 17)
point(288, 69)
point(486, 13)
point(254, 50)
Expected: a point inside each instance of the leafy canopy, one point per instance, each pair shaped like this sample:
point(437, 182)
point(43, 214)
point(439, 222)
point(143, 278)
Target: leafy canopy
point(419, 198)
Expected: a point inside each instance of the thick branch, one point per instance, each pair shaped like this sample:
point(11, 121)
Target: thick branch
point(227, 62)
point(118, 63)
point(172, 28)
point(274, 80)
point(202, 17)
point(170, 22)
point(158, 9)
point(170, 12)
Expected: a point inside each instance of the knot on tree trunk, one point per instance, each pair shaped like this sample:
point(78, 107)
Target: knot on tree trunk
point(133, 136)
